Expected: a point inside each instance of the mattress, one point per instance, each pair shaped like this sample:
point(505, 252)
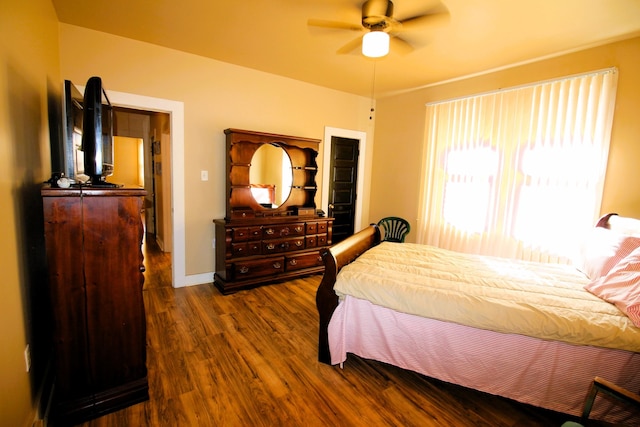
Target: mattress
point(546, 301)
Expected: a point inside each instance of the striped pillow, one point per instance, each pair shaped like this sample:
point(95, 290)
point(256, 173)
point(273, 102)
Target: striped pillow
point(602, 250)
point(621, 286)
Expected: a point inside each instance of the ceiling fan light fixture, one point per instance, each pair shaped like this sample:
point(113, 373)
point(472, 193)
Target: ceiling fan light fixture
point(375, 44)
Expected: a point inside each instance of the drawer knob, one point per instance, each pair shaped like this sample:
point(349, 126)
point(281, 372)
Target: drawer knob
point(244, 269)
point(269, 231)
point(298, 243)
point(293, 262)
point(276, 265)
point(271, 246)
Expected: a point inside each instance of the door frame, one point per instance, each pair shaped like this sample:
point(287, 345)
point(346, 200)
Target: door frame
point(330, 132)
point(177, 196)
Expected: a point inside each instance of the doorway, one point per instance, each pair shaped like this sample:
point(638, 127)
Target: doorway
point(343, 179)
point(138, 143)
point(344, 144)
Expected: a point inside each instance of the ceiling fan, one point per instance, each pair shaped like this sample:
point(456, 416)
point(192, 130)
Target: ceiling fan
point(378, 22)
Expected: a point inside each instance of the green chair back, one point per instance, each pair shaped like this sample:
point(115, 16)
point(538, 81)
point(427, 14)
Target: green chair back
point(395, 229)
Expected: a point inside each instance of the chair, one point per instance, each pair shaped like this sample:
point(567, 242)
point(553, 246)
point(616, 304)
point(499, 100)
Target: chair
point(395, 229)
point(606, 387)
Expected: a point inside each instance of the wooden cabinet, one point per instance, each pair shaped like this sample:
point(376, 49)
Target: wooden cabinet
point(272, 234)
point(93, 241)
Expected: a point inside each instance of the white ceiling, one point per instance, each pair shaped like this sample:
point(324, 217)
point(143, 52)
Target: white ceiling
point(274, 35)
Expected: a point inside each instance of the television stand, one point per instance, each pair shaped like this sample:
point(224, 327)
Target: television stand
point(93, 239)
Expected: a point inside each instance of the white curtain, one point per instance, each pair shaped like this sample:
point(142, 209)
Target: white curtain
point(517, 173)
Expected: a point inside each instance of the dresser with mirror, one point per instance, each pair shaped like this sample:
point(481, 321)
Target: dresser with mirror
point(271, 231)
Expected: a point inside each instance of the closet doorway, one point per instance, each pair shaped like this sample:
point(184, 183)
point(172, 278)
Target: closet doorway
point(357, 139)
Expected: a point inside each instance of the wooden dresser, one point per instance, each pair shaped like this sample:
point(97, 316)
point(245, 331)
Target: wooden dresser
point(93, 241)
point(261, 250)
point(270, 233)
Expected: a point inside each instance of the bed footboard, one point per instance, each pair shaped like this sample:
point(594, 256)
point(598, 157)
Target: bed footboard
point(334, 259)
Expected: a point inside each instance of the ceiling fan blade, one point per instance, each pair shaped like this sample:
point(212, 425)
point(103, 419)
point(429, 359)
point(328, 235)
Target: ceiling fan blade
point(428, 18)
point(334, 24)
point(351, 46)
point(400, 45)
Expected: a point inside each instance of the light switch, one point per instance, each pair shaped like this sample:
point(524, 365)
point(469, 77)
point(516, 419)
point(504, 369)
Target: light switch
point(204, 175)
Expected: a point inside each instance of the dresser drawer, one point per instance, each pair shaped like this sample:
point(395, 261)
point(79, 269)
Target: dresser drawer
point(258, 268)
point(308, 260)
point(241, 234)
point(312, 227)
point(255, 233)
point(239, 249)
point(242, 249)
point(311, 241)
point(323, 226)
point(283, 230)
point(254, 247)
point(275, 246)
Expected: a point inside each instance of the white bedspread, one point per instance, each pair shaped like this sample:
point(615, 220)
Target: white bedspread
point(546, 301)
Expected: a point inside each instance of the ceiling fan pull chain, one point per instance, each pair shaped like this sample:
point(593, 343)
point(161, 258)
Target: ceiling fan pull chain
point(373, 85)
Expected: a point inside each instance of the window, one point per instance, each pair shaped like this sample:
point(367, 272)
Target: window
point(518, 172)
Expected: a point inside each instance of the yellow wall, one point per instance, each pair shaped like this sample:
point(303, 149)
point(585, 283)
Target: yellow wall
point(216, 96)
point(29, 82)
point(399, 129)
point(127, 159)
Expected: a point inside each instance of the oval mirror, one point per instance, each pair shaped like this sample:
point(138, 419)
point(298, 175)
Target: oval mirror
point(270, 175)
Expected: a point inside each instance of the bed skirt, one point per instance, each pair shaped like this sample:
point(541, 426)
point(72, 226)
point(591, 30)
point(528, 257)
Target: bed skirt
point(548, 374)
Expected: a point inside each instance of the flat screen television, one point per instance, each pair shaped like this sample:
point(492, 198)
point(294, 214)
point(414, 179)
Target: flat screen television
point(64, 147)
point(97, 134)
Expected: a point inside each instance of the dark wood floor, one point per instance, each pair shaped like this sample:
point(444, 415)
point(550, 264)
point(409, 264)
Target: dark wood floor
point(249, 359)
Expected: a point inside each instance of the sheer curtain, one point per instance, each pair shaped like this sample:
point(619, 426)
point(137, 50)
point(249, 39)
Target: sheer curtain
point(518, 172)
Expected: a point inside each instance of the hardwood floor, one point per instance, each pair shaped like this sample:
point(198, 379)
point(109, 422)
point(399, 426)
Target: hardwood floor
point(249, 359)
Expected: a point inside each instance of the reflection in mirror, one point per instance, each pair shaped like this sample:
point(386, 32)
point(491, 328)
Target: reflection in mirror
point(270, 175)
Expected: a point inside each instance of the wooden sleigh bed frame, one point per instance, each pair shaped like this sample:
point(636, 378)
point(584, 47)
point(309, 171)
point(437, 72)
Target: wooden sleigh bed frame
point(560, 383)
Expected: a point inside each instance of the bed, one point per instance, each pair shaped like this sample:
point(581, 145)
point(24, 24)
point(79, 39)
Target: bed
point(534, 333)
